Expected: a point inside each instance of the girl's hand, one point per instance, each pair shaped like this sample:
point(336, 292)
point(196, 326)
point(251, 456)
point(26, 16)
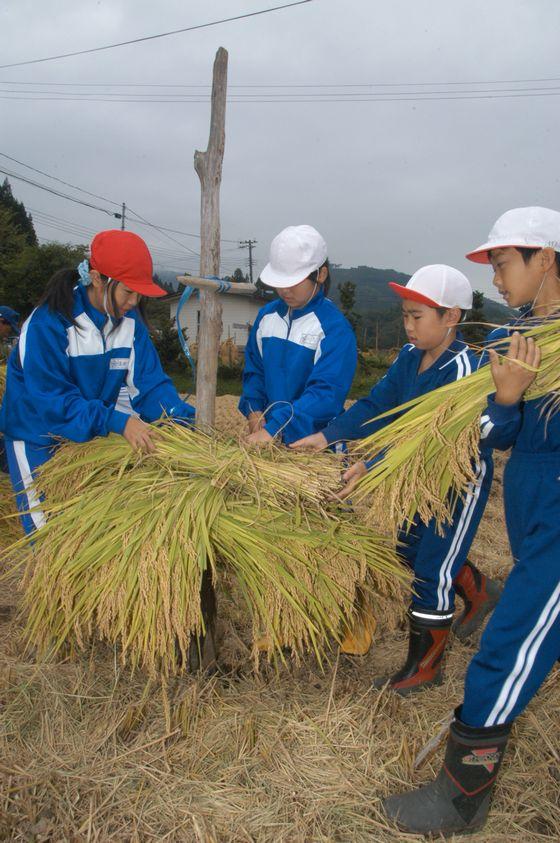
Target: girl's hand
point(139, 435)
point(351, 478)
point(511, 379)
point(256, 421)
point(315, 442)
point(259, 437)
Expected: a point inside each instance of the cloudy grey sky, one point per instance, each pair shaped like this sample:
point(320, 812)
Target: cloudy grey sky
point(389, 184)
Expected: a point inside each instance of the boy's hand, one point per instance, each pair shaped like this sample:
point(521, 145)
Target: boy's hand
point(351, 478)
point(315, 442)
point(139, 435)
point(259, 437)
point(511, 379)
point(255, 421)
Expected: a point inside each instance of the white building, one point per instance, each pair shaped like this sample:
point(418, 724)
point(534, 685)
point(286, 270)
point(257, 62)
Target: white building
point(239, 312)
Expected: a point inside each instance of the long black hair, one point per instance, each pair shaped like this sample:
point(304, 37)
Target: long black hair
point(59, 294)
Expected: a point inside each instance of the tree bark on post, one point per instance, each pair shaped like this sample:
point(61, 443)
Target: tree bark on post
point(208, 166)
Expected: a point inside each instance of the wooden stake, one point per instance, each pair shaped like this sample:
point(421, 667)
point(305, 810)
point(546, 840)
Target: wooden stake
point(208, 166)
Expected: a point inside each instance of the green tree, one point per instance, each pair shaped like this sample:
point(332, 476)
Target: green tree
point(238, 277)
point(347, 294)
point(22, 220)
point(476, 333)
point(28, 272)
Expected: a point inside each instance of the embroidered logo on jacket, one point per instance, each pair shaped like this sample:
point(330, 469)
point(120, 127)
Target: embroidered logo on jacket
point(118, 363)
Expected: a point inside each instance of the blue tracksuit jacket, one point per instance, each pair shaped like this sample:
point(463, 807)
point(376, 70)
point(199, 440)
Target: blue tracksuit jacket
point(435, 559)
point(522, 640)
point(303, 359)
point(77, 382)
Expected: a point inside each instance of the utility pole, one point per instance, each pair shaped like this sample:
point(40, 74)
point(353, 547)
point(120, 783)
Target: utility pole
point(243, 244)
point(123, 213)
point(208, 165)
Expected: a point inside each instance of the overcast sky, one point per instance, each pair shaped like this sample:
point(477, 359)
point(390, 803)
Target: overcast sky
point(389, 184)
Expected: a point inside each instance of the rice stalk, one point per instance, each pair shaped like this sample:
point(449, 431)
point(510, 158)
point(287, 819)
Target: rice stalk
point(427, 457)
point(128, 538)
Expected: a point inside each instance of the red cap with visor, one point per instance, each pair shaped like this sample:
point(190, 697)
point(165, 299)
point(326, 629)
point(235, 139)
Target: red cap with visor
point(124, 256)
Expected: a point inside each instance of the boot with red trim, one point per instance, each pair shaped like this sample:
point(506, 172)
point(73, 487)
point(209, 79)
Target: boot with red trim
point(459, 799)
point(479, 593)
point(429, 631)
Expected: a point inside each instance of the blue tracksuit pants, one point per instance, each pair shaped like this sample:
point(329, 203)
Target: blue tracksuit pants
point(522, 640)
point(23, 459)
point(437, 559)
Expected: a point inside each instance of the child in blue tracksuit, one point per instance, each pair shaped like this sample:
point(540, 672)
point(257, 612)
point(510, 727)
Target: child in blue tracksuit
point(434, 302)
point(84, 365)
point(522, 640)
point(301, 354)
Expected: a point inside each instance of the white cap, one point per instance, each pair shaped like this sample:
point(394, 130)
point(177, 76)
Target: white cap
point(294, 254)
point(528, 228)
point(437, 285)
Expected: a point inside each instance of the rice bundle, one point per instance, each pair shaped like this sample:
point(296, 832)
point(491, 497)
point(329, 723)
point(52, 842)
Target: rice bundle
point(10, 529)
point(128, 538)
point(428, 456)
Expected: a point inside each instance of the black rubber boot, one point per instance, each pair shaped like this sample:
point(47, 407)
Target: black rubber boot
point(429, 631)
point(479, 594)
point(202, 649)
point(459, 799)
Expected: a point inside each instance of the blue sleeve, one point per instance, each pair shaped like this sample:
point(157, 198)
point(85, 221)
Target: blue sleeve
point(326, 388)
point(151, 391)
point(500, 425)
point(253, 398)
point(356, 422)
point(48, 381)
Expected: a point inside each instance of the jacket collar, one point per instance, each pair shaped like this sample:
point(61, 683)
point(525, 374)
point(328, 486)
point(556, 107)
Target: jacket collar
point(302, 311)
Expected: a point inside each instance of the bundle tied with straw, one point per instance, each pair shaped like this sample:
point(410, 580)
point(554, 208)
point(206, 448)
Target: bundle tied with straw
point(428, 455)
point(128, 538)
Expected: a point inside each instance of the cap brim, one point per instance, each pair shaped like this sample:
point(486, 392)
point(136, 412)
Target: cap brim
point(412, 295)
point(480, 255)
point(273, 279)
point(146, 288)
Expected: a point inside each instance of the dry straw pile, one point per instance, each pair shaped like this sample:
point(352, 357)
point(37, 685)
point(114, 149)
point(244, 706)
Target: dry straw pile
point(430, 451)
point(128, 538)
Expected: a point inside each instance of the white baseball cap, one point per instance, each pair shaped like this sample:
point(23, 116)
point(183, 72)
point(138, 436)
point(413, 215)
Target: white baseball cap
point(437, 285)
point(294, 254)
point(529, 228)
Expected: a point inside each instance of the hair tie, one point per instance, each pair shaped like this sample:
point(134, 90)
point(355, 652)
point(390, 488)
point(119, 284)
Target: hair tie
point(83, 272)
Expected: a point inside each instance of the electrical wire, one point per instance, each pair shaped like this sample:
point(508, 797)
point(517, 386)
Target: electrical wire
point(154, 37)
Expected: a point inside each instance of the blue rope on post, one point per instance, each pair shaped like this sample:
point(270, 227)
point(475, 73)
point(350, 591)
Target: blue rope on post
point(224, 286)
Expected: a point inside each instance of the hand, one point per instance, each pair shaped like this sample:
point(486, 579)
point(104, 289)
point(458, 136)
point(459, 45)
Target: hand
point(351, 478)
point(511, 379)
point(256, 421)
point(139, 435)
point(259, 437)
point(315, 442)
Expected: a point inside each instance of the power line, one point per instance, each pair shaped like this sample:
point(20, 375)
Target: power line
point(33, 183)
point(112, 201)
point(287, 84)
point(431, 97)
point(61, 181)
point(153, 37)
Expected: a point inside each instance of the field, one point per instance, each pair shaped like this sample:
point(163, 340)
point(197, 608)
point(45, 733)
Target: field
point(293, 753)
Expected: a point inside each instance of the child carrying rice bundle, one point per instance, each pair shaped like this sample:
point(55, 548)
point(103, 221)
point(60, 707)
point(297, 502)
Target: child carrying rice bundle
point(522, 640)
point(435, 300)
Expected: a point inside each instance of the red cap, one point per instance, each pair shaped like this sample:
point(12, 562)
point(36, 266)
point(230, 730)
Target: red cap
point(123, 256)
point(413, 295)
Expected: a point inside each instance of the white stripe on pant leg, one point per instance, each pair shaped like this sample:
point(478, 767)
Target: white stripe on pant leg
point(35, 511)
point(445, 581)
point(525, 660)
